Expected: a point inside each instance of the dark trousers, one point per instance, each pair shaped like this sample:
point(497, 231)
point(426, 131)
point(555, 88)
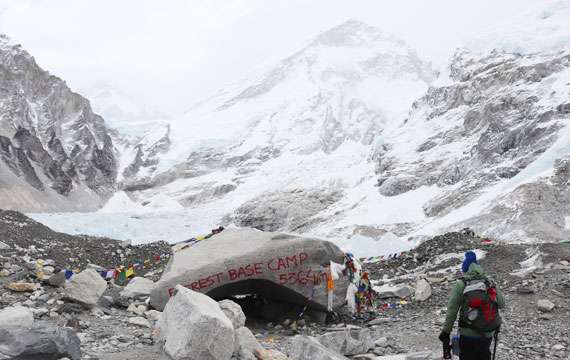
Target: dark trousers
point(475, 348)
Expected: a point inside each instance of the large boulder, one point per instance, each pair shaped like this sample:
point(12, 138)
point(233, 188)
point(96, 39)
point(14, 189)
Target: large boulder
point(85, 288)
point(246, 344)
point(45, 342)
point(16, 316)
point(137, 288)
point(348, 342)
point(305, 347)
point(234, 312)
point(247, 261)
point(193, 327)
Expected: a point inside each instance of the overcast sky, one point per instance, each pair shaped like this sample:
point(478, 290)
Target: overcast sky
point(169, 54)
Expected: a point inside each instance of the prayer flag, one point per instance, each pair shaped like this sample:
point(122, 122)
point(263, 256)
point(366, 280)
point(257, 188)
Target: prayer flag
point(110, 274)
point(68, 274)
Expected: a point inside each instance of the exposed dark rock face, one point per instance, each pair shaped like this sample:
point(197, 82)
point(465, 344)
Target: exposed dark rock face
point(489, 124)
point(50, 140)
point(533, 211)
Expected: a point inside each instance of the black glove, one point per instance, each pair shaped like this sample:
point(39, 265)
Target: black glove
point(444, 337)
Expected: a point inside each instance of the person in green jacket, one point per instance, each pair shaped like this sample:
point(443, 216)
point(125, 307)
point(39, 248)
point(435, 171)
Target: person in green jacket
point(473, 344)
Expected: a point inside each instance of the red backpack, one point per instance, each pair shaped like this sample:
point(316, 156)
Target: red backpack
point(479, 310)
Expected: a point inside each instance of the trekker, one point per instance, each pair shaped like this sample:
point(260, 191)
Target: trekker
point(477, 300)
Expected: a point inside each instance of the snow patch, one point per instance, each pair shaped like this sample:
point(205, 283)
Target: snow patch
point(364, 246)
point(531, 263)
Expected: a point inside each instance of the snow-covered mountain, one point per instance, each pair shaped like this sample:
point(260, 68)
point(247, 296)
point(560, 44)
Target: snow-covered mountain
point(355, 138)
point(305, 127)
point(55, 153)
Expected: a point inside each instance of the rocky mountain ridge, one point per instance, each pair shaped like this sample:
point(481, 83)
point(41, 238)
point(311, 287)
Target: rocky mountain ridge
point(498, 127)
point(55, 153)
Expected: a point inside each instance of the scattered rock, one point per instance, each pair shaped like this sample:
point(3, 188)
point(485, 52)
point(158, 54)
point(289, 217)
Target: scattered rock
point(435, 280)
point(545, 305)
point(194, 327)
point(21, 287)
point(234, 312)
point(137, 309)
point(398, 291)
point(17, 316)
point(48, 270)
point(139, 321)
point(57, 279)
point(304, 347)
point(378, 321)
point(138, 287)
point(526, 290)
point(246, 344)
point(70, 308)
point(423, 355)
point(348, 342)
point(85, 288)
point(152, 315)
point(45, 342)
point(381, 342)
point(364, 357)
point(423, 290)
point(262, 354)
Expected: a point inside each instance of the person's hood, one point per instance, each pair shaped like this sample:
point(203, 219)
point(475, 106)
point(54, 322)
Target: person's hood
point(475, 272)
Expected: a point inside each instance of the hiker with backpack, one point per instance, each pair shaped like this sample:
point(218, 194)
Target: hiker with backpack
point(477, 300)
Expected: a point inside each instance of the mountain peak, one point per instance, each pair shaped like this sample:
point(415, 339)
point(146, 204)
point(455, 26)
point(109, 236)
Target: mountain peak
point(351, 33)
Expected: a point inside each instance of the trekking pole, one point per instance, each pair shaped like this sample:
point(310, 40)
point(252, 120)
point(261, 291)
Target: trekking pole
point(496, 341)
point(446, 351)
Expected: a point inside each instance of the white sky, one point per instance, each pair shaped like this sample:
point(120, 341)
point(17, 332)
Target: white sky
point(169, 54)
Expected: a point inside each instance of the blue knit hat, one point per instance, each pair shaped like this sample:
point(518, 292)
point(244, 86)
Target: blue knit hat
point(470, 258)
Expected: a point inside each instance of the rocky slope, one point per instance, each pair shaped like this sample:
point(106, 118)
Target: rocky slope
point(55, 153)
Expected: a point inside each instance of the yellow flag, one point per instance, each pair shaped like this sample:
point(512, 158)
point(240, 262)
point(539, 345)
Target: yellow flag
point(130, 272)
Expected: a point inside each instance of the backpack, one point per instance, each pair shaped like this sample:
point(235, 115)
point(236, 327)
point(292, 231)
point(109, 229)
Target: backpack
point(479, 310)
